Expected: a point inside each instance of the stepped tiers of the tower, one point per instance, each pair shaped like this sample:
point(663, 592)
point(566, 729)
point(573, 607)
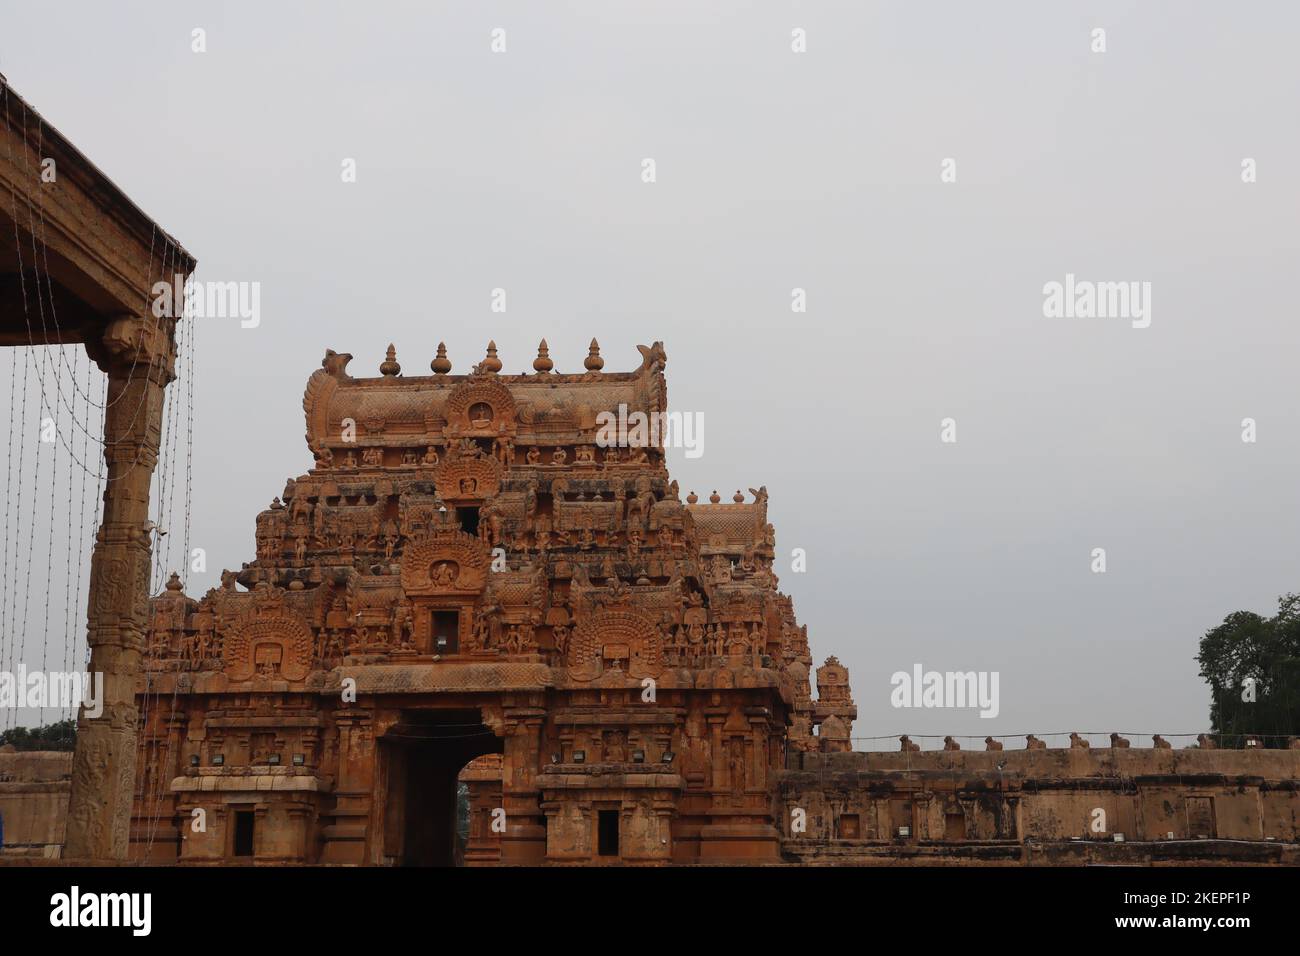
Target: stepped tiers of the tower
point(474, 566)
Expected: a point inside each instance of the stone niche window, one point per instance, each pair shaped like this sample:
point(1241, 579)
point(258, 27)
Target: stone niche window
point(244, 833)
point(954, 826)
point(902, 825)
point(849, 827)
point(468, 518)
point(607, 833)
point(446, 632)
point(1200, 817)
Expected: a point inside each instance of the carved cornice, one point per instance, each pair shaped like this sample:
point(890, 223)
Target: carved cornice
point(102, 247)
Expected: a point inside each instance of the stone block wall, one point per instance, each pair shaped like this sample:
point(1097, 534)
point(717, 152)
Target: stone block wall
point(1066, 805)
point(34, 802)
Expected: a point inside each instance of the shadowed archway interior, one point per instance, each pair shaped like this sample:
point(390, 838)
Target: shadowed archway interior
point(425, 753)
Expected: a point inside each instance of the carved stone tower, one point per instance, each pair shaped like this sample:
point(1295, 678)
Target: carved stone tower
point(496, 571)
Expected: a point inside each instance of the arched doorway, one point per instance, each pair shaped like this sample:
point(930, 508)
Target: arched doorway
point(424, 754)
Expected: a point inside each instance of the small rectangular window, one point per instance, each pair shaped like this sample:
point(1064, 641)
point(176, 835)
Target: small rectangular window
point(446, 632)
point(245, 824)
point(608, 833)
point(468, 518)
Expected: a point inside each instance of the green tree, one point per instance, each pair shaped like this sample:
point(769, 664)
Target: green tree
point(61, 735)
point(1248, 648)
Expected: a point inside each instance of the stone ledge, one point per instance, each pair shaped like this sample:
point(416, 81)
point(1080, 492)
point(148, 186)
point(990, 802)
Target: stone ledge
point(249, 783)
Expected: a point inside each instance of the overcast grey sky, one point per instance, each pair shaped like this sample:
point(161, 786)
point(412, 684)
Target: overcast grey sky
point(775, 170)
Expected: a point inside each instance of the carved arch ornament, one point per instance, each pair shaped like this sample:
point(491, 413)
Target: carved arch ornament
point(449, 561)
point(276, 646)
point(465, 477)
point(625, 636)
point(482, 408)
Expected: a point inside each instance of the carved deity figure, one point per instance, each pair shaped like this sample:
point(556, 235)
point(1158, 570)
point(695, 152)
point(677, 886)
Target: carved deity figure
point(401, 632)
point(487, 626)
point(560, 638)
point(444, 574)
point(615, 751)
point(491, 524)
point(505, 451)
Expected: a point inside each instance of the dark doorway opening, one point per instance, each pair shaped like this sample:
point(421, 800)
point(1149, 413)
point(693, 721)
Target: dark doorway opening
point(245, 830)
point(607, 833)
point(425, 808)
point(468, 518)
point(446, 632)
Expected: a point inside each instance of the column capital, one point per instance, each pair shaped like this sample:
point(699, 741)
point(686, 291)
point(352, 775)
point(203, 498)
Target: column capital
point(137, 345)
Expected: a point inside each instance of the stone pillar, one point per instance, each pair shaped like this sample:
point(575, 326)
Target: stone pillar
point(524, 841)
point(138, 354)
point(348, 837)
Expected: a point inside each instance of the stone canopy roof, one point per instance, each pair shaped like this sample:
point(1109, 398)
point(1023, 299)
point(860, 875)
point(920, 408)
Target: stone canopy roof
point(543, 408)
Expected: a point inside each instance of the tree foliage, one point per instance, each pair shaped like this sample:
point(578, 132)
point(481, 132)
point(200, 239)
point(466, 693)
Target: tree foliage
point(61, 735)
point(1266, 650)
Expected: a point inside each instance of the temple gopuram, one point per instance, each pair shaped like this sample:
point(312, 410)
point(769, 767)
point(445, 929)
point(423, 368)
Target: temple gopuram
point(479, 631)
point(473, 590)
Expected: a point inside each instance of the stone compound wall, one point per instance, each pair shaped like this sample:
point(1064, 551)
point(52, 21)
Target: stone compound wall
point(1043, 806)
point(34, 802)
point(1039, 807)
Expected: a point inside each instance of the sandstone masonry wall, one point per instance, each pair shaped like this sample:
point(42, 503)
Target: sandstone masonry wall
point(34, 802)
point(1066, 805)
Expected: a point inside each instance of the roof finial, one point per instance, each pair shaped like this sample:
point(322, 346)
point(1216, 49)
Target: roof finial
point(543, 364)
point(715, 497)
point(692, 498)
point(174, 582)
point(389, 365)
point(594, 362)
point(441, 365)
point(490, 362)
point(738, 498)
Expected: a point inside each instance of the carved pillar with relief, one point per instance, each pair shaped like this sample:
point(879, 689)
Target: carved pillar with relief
point(524, 841)
point(138, 355)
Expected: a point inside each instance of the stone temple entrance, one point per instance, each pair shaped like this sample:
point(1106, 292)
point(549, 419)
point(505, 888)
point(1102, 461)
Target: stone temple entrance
point(424, 754)
point(486, 558)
